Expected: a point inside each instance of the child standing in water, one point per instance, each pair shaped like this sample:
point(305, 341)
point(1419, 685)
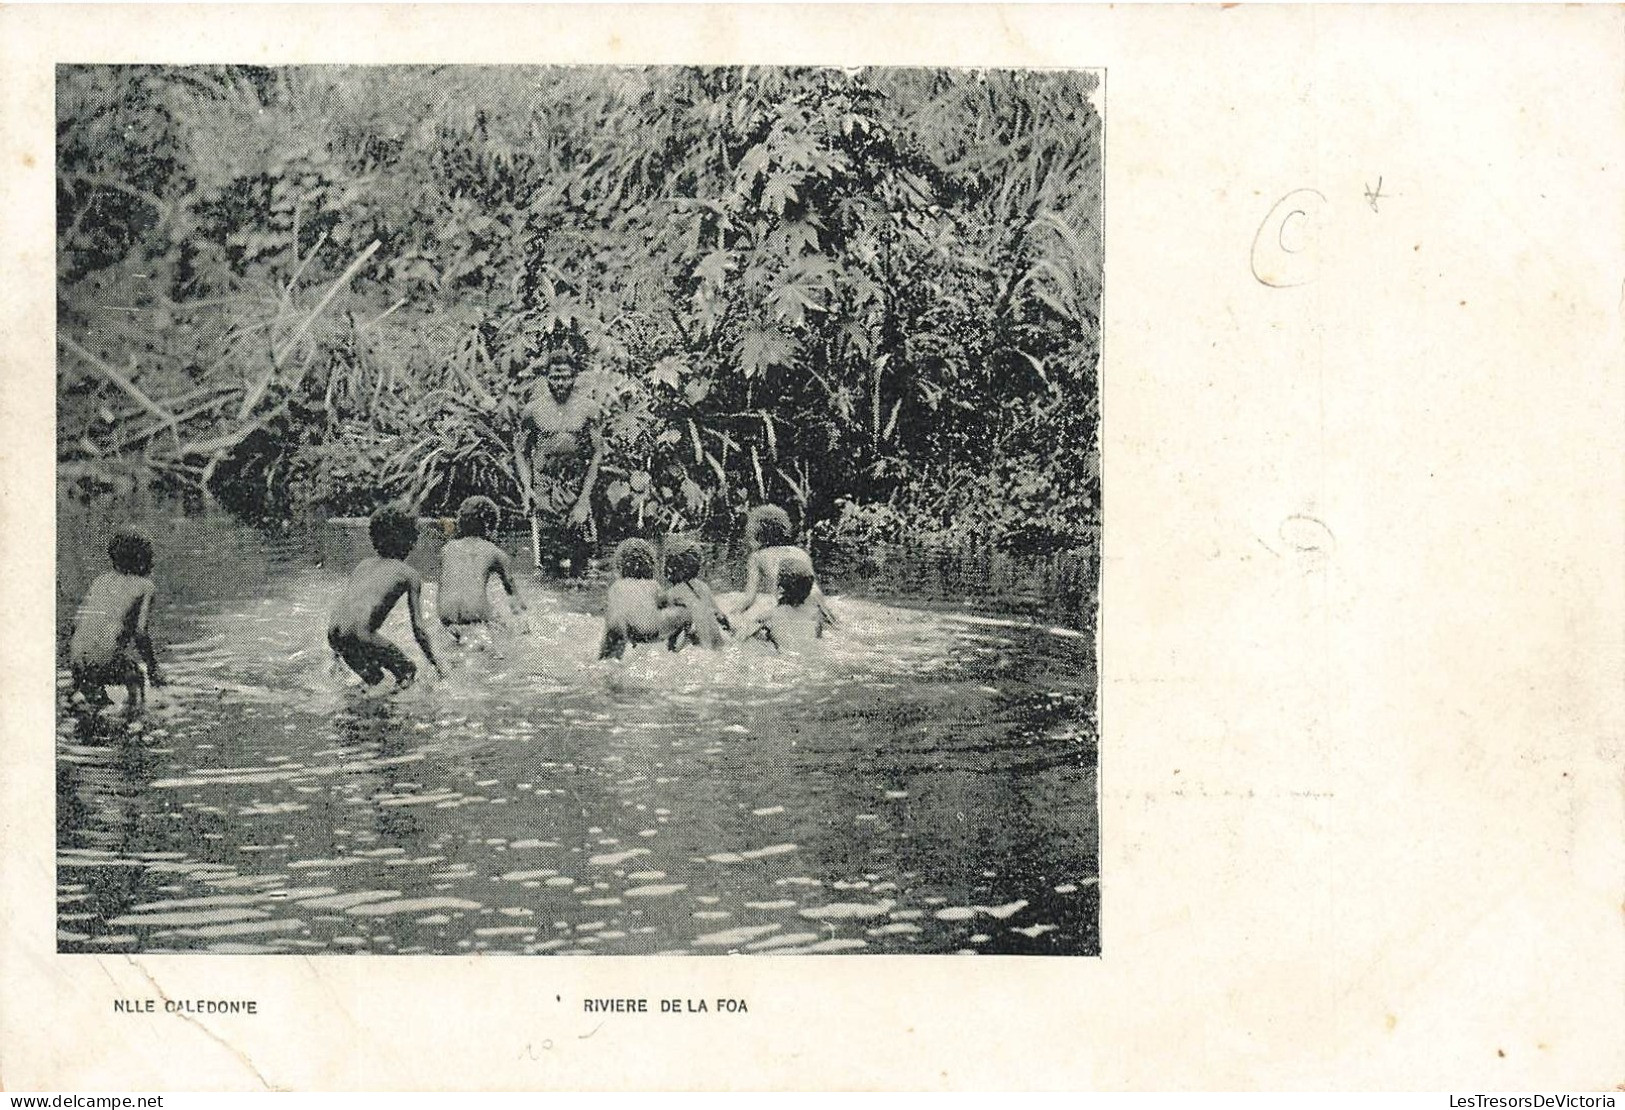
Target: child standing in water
point(767, 530)
point(467, 564)
point(635, 611)
point(797, 621)
point(706, 623)
point(113, 621)
point(372, 591)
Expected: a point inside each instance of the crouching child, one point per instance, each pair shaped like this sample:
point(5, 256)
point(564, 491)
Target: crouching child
point(769, 535)
point(797, 621)
point(110, 642)
point(369, 596)
point(468, 563)
point(687, 591)
point(635, 610)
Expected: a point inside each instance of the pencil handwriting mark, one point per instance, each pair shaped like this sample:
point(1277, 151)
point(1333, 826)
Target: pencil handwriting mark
point(529, 1051)
point(1372, 196)
point(1283, 254)
point(1307, 534)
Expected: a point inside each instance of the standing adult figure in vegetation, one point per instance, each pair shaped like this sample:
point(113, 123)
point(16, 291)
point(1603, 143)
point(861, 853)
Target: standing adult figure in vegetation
point(565, 445)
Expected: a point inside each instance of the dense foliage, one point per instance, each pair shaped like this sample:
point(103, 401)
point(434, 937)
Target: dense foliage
point(871, 296)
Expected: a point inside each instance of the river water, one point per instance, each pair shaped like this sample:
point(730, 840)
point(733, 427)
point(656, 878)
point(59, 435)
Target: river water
point(925, 782)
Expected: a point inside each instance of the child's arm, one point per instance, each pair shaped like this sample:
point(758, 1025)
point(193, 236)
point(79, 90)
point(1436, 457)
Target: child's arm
point(414, 606)
point(703, 592)
point(760, 629)
point(765, 631)
point(682, 597)
point(504, 573)
point(66, 645)
point(613, 645)
point(753, 578)
point(826, 619)
point(143, 642)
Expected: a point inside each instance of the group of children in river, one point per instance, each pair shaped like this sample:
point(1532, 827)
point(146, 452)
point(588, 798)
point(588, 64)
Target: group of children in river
point(781, 603)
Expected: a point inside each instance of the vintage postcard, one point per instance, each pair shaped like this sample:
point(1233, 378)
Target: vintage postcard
point(813, 547)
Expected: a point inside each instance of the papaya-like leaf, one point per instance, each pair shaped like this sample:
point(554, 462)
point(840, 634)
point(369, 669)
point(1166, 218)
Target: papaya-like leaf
point(760, 348)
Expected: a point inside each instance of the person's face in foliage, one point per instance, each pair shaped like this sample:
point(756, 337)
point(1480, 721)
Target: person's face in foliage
point(561, 374)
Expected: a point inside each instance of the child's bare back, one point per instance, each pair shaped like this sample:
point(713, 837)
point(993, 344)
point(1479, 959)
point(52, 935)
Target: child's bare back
point(705, 620)
point(633, 607)
point(797, 622)
point(635, 611)
point(110, 640)
point(794, 627)
point(767, 529)
point(690, 593)
point(107, 622)
point(467, 564)
point(374, 587)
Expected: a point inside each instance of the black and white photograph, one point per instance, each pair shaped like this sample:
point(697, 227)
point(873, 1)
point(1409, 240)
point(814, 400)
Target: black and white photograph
point(578, 510)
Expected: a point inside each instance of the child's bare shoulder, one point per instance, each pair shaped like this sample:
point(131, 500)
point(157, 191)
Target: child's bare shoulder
point(127, 587)
point(387, 574)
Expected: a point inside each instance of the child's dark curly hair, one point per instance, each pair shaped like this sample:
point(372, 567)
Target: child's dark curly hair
point(635, 559)
point(477, 516)
point(795, 585)
point(683, 559)
point(394, 532)
point(130, 552)
point(768, 526)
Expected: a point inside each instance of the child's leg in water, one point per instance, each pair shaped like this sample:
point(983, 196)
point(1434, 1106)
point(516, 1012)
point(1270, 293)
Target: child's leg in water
point(88, 685)
point(394, 660)
point(126, 672)
point(369, 657)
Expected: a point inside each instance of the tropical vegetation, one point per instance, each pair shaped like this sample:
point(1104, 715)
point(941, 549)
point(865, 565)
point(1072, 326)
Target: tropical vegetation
point(872, 296)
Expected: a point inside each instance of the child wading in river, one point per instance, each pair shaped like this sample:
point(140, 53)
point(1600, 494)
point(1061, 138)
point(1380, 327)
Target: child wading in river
point(467, 565)
point(706, 623)
point(767, 530)
point(635, 612)
point(110, 640)
point(797, 621)
point(369, 596)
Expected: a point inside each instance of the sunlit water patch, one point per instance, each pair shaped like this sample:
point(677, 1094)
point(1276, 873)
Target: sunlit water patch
point(924, 781)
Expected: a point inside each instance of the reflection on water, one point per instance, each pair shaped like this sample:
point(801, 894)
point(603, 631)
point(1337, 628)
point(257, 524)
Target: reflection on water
point(924, 783)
